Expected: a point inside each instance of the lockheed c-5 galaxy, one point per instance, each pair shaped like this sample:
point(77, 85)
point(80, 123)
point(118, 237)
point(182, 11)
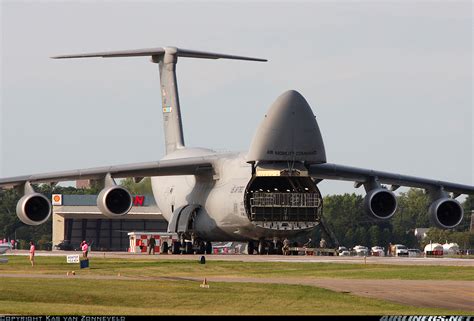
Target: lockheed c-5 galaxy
point(260, 196)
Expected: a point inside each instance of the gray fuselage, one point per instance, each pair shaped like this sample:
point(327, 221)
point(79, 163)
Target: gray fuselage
point(224, 214)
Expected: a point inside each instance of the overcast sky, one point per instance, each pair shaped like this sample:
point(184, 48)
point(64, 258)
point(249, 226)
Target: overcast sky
point(389, 82)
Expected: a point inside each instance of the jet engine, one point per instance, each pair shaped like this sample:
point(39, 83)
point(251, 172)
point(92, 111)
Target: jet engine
point(446, 213)
point(114, 201)
point(33, 209)
point(380, 203)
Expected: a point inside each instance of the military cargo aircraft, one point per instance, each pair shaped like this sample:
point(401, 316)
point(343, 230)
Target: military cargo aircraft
point(261, 196)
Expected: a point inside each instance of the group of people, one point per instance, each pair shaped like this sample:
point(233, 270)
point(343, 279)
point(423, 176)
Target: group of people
point(12, 242)
point(84, 249)
point(309, 244)
point(151, 243)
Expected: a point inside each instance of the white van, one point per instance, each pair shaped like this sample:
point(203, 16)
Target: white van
point(401, 250)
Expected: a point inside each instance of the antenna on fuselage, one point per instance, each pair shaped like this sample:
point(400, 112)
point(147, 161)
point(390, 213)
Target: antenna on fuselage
point(166, 57)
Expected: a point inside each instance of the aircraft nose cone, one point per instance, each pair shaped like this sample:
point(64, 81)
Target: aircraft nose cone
point(289, 132)
point(287, 105)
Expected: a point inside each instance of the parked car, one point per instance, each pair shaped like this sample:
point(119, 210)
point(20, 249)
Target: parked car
point(377, 251)
point(401, 250)
point(4, 247)
point(361, 250)
point(343, 251)
point(414, 253)
point(64, 245)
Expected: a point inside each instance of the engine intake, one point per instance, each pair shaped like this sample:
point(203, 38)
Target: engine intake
point(114, 201)
point(33, 209)
point(380, 203)
point(446, 213)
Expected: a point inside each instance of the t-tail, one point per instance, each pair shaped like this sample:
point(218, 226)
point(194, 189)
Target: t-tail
point(166, 57)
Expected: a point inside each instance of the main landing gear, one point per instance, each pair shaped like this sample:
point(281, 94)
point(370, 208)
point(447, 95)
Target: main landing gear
point(265, 247)
point(191, 247)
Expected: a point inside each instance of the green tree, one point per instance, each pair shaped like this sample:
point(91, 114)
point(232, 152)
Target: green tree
point(142, 188)
point(360, 236)
point(343, 212)
point(8, 219)
point(468, 207)
point(349, 238)
point(412, 209)
point(464, 239)
point(386, 237)
point(375, 236)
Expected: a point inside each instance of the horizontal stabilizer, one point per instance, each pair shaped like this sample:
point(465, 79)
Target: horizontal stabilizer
point(158, 52)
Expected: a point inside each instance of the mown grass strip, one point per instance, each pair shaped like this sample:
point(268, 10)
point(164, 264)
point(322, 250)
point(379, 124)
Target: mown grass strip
point(153, 268)
point(81, 296)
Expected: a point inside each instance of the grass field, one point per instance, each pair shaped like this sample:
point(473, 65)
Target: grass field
point(138, 297)
point(137, 267)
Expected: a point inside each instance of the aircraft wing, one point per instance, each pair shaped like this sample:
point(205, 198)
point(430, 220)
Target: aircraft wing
point(361, 176)
point(181, 166)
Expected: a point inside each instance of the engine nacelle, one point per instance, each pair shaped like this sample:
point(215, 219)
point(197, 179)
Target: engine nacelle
point(380, 203)
point(446, 213)
point(33, 209)
point(114, 201)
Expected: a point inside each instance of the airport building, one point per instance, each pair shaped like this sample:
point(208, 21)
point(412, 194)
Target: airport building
point(76, 218)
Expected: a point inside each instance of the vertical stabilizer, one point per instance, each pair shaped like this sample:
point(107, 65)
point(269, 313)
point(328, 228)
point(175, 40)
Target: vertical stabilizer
point(172, 123)
point(166, 58)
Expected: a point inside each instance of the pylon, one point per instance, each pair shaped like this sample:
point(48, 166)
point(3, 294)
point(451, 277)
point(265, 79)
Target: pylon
point(204, 284)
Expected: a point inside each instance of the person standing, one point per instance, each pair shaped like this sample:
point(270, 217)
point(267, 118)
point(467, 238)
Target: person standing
point(151, 245)
point(322, 243)
point(307, 245)
point(84, 249)
point(389, 249)
point(32, 253)
point(286, 246)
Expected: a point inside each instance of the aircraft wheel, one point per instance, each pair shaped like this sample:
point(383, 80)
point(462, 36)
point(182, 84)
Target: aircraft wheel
point(279, 248)
point(208, 247)
point(261, 248)
point(202, 248)
point(271, 248)
point(295, 244)
point(176, 249)
point(250, 248)
point(188, 248)
point(164, 248)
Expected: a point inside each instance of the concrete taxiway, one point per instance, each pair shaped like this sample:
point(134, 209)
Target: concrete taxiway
point(438, 261)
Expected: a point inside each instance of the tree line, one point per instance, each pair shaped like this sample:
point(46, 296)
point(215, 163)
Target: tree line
point(352, 226)
point(344, 214)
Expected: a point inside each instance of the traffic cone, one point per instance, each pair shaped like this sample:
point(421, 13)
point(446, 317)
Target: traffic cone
point(204, 284)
